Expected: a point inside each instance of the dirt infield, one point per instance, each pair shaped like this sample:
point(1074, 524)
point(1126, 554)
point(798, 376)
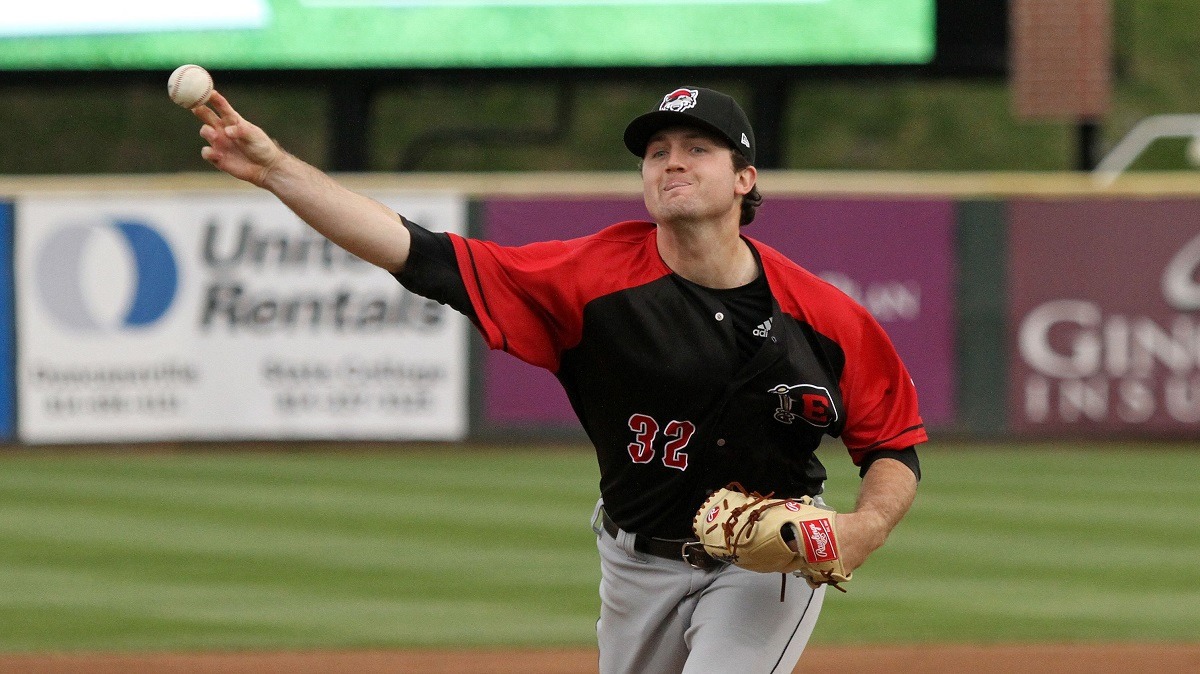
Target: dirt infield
point(1028, 659)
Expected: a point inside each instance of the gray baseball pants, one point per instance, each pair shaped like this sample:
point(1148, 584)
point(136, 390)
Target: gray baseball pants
point(659, 615)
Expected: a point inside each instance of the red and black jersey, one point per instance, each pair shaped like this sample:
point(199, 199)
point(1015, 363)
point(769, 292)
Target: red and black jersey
point(650, 364)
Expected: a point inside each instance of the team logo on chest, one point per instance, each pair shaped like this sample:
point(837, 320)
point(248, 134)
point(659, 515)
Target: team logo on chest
point(805, 401)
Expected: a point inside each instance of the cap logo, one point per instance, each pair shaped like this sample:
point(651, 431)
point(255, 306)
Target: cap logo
point(745, 140)
point(679, 100)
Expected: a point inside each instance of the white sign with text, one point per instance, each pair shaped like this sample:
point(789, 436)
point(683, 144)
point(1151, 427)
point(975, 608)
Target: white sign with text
point(144, 317)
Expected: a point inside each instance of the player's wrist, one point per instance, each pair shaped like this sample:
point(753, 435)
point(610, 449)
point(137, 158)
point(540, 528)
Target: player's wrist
point(278, 170)
point(865, 529)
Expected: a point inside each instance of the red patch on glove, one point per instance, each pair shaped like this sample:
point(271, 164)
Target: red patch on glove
point(819, 544)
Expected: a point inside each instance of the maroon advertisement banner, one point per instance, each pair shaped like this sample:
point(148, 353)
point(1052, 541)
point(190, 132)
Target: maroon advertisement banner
point(896, 257)
point(1104, 329)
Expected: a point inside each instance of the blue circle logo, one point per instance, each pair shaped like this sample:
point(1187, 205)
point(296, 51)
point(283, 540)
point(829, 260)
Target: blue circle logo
point(64, 287)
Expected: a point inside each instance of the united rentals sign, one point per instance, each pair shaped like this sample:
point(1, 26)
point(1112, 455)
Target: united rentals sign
point(222, 316)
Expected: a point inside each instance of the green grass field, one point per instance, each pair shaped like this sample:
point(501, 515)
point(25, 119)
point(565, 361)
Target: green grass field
point(431, 546)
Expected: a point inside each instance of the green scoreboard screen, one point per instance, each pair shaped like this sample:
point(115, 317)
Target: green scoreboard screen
point(332, 34)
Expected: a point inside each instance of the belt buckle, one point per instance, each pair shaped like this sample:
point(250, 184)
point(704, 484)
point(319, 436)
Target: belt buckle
point(694, 554)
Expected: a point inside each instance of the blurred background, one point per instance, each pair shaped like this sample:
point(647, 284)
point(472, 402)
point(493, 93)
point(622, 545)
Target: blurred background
point(222, 434)
point(932, 91)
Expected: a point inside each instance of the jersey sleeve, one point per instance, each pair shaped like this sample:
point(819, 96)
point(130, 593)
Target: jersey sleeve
point(432, 271)
point(524, 297)
point(907, 456)
point(879, 395)
point(529, 300)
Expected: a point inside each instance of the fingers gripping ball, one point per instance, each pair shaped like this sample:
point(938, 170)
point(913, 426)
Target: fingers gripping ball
point(753, 531)
point(189, 86)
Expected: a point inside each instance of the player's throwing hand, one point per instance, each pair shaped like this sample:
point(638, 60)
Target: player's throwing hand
point(236, 146)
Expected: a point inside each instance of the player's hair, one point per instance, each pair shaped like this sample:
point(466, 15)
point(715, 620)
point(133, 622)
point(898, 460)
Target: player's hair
point(754, 198)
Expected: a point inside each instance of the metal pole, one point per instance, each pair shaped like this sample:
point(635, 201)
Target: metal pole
point(1088, 133)
point(770, 97)
point(350, 124)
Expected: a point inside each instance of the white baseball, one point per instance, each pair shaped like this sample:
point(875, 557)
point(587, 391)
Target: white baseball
point(189, 86)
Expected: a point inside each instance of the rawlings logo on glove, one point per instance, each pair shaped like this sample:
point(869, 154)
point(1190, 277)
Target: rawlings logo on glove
point(754, 531)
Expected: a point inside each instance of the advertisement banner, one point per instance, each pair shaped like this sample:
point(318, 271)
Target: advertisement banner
point(1104, 317)
point(896, 257)
point(223, 316)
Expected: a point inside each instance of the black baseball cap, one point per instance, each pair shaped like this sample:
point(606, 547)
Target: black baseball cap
point(698, 107)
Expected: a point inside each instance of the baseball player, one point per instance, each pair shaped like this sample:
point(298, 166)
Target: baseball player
point(695, 358)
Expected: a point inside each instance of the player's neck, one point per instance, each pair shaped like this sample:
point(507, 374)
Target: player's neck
point(712, 257)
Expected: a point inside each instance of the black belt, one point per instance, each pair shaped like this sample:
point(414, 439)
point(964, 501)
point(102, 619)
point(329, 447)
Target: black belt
point(681, 551)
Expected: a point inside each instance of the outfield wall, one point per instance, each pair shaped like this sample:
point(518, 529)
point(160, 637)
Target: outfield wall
point(190, 307)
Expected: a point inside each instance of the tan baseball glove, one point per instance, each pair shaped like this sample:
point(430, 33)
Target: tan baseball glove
point(753, 532)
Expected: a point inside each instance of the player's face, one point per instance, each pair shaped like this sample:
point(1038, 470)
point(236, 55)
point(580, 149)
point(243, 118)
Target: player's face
point(688, 176)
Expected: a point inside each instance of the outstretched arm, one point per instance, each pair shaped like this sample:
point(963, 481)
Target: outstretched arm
point(887, 492)
point(354, 222)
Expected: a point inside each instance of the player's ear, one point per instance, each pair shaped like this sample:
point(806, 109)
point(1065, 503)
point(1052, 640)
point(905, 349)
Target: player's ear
point(745, 180)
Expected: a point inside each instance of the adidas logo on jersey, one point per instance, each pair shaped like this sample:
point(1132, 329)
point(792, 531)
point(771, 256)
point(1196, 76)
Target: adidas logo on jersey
point(764, 329)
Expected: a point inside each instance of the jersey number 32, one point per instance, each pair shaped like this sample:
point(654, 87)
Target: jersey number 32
point(678, 434)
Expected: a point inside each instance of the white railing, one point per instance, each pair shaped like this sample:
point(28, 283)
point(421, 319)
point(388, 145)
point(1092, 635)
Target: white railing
point(1140, 137)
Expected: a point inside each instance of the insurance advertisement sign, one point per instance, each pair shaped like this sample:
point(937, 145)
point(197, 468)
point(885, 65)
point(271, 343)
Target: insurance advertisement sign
point(223, 316)
point(1104, 317)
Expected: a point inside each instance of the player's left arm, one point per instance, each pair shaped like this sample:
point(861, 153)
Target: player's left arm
point(888, 489)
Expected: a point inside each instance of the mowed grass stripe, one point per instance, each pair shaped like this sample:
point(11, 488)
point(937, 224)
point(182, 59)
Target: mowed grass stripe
point(536, 476)
point(559, 583)
point(553, 473)
point(251, 614)
point(306, 506)
point(310, 532)
point(1047, 599)
point(434, 547)
point(1033, 543)
point(1137, 527)
point(469, 550)
point(999, 610)
point(403, 505)
point(450, 563)
point(1119, 471)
